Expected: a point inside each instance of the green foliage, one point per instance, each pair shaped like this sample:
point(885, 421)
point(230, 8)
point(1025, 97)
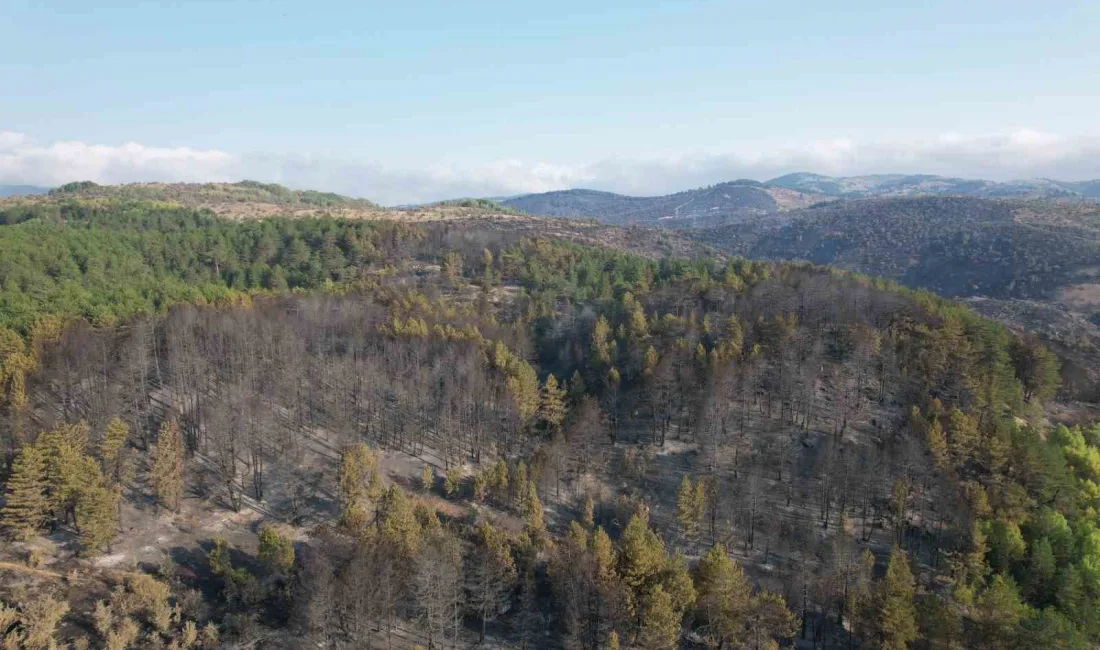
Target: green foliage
point(724, 598)
point(97, 516)
point(276, 551)
point(690, 504)
point(898, 623)
point(359, 483)
point(166, 473)
point(208, 193)
point(25, 505)
point(660, 620)
point(105, 261)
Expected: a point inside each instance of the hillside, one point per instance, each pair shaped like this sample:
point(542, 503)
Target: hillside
point(333, 432)
point(897, 185)
point(716, 204)
point(198, 194)
point(745, 200)
point(1005, 250)
point(954, 246)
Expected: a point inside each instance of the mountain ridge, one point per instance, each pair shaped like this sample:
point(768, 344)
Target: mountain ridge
point(717, 204)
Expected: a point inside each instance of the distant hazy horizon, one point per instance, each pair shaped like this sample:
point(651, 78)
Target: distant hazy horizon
point(417, 101)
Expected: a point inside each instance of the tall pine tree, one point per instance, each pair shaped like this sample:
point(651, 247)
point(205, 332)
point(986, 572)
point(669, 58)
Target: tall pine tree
point(25, 504)
point(166, 475)
point(898, 621)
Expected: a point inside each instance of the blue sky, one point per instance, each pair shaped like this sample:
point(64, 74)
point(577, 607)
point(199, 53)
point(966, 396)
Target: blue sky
point(397, 98)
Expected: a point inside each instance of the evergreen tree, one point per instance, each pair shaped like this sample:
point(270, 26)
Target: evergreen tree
point(397, 522)
point(276, 551)
point(676, 580)
point(601, 346)
point(937, 444)
point(641, 554)
point(660, 620)
point(638, 328)
point(166, 474)
point(963, 438)
point(1041, 571)
point(359, 483)
point(939, 624)
point(770, 619)
point(97, 516)
point(612, 641)
point(690, 504)
point(724, 598)
point(68, 468)
point(552, 404)
point(603, 554)
point(898, 622)
point(427, 478)
point(452, 266)
point(532, 509)
point(1036, 367)
point(26, 507)
point(487, 269)
point(998, 611)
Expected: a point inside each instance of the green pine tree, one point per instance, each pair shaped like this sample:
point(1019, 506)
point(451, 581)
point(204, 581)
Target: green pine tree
point(166, 475)
point(898, 619)
point(724, 598)
point(97, 516)
point(660, 620)
point(25, 504)
point(552, 404)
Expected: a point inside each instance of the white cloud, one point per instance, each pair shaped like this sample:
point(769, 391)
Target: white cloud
point(1018, 154)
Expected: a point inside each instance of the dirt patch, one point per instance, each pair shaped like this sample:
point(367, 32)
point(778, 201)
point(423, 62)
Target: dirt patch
point(1081, 295)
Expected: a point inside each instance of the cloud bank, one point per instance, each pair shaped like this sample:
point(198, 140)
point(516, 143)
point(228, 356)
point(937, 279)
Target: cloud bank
point(1019, 154)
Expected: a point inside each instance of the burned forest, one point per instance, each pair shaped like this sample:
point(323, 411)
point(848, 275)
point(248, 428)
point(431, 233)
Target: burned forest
point(347, 433)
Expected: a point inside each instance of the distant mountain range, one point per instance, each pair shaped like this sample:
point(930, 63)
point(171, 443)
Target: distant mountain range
point(21, 190)
point(858, 187)
point(704, 206)
point(744, 199)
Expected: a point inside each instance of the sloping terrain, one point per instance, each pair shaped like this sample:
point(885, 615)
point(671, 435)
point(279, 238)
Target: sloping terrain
point(954, 246)
point(500, 431)
point(712, 205)
point(1021, 255)
point(882, 185)
point(200, 194)
point(743, 200)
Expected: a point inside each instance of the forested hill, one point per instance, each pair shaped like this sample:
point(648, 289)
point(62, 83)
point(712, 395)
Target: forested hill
point(744, 201)
point(105, 260)
point(290, 432)
point(952, 245)
point(1021, 258)
point(898, 185)
point(201, 194)
point(704, 206)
